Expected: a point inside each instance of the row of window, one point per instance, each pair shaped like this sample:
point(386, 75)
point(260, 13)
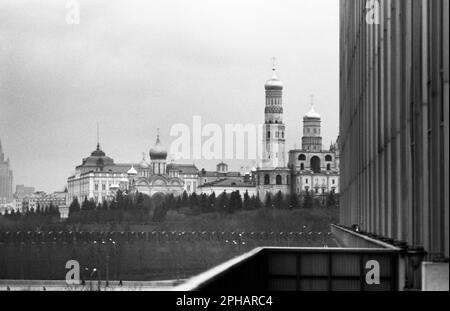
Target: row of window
point(302, 157)
point(314, 130)
point(96, 186)
point(278, 180)
point(302, 167)
point(277, 134)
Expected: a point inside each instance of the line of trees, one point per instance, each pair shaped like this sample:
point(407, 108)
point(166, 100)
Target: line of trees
point(142, 208)
point(49, 211)
point(33, 219)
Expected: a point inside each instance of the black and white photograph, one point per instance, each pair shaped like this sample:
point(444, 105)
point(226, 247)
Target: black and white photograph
point(210, 147)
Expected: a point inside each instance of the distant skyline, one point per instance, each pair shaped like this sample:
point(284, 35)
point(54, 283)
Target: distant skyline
point(136, 66)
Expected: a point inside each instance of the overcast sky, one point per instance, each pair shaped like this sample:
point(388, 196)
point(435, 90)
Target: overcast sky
point(136, 66)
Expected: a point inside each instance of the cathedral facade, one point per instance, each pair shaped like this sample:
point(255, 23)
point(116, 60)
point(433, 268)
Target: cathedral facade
point(157, 177)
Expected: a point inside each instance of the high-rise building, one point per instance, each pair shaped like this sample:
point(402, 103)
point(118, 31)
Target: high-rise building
point(6, 178)
point(394, 121)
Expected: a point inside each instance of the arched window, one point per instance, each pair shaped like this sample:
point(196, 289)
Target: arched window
point(302, 157)
point(279, 180)
point(266, 180)
point(315, 164)
point(268, 134)
point(302, 167)
point(328, 158)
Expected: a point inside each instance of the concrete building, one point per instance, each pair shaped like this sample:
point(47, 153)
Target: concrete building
point(188, 173)
point(220, 173)
point(57, 199)
point(223, 180)
point(313, 168)
point(22, 192)
point(228, 186)
point(6, 177)
point(273, 175)
point(394, 121)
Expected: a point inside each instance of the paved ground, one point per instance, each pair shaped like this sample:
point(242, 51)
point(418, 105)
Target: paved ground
point(54, 285)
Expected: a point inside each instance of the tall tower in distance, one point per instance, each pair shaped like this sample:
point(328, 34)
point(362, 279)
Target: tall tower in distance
point(6, 178)
point(312, 137)
point(274, 128)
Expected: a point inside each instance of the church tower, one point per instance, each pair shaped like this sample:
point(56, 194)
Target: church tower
point(273, 176)
point(312, 137)
point(158, 157)
point(274, 128)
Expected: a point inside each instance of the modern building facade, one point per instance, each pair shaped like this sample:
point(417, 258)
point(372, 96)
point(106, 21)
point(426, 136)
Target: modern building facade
point(6, 177)
point(394, 121)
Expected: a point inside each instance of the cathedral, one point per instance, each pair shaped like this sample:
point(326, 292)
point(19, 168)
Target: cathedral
point(156, 177)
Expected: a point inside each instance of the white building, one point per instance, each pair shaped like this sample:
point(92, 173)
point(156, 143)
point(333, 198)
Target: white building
point(97, 177)
point(228, 186)
point(313, 168)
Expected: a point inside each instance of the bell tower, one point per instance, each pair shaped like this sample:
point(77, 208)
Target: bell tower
point(312, 136)
point(274, 129)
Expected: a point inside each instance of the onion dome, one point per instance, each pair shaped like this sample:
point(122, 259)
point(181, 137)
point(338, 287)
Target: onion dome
point(312, 114)
point(132, 171)
point(274, 83)
point(158, 152)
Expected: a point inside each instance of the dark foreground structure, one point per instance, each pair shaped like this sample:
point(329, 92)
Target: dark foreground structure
point(394, 121)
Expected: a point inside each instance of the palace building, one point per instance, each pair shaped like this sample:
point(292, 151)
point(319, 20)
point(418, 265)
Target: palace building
point(99, 177)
